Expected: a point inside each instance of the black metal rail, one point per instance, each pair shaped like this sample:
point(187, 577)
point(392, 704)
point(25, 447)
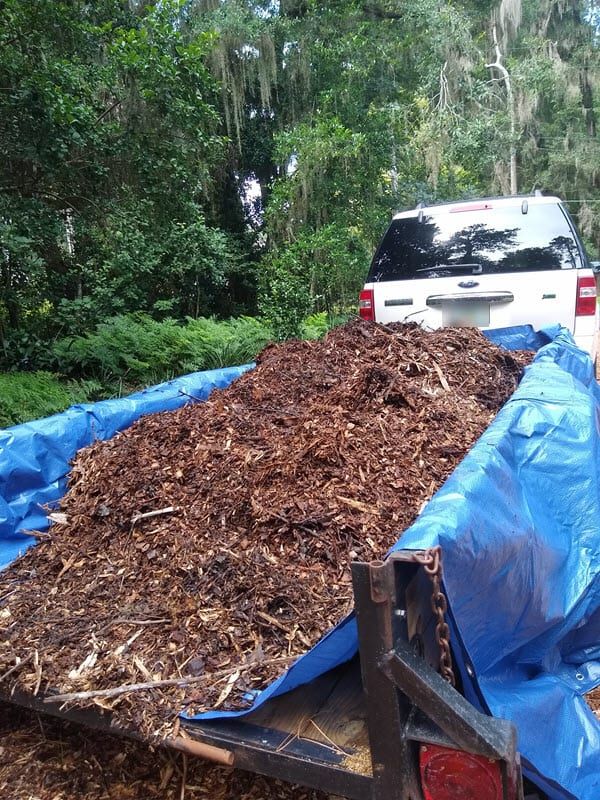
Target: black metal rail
point(409, 704)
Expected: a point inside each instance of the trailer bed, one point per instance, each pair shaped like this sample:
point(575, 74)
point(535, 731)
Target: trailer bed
point(316, 735)
point(325, 735)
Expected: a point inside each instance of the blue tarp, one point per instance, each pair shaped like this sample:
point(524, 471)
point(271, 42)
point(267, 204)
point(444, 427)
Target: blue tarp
point(519, 523)
point(35, 457)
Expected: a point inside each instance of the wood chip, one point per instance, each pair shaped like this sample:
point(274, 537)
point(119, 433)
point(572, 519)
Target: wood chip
point(260, 498)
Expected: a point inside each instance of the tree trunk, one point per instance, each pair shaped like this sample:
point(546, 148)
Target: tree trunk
point(9, 296)
point(587, 101)
point(510, 102)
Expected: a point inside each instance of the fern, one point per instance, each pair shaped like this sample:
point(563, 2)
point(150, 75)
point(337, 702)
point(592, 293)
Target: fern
point(29, 395)
point(140, 350)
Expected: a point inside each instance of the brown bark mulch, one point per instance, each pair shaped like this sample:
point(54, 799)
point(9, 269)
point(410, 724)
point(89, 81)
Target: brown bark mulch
point(210, 546)
point(593, 700)
point(46, 759)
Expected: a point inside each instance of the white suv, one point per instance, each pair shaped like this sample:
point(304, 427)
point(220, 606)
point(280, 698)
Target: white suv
point(491, 263)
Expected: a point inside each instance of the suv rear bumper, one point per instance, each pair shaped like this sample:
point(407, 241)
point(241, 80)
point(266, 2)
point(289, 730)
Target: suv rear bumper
point(588, 343)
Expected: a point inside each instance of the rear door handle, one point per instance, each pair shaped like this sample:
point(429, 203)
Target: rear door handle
point(471, 297)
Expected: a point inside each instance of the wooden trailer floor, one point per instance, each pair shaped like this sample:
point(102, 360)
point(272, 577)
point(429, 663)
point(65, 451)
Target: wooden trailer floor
point(315, 736)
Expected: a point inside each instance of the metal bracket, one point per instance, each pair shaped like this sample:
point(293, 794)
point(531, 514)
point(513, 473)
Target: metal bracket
point(408, 702)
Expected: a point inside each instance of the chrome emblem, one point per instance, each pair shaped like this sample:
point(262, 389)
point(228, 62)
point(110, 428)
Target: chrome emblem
point(468, 284)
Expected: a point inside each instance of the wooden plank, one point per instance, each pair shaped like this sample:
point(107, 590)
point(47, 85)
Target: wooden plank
point(342, 717)
point(289, 711)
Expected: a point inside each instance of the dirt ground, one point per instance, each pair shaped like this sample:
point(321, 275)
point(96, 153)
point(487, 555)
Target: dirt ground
point(42, 758)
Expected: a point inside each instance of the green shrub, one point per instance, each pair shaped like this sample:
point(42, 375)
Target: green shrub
point(285, 294)
point(134, 347)
point(321, 270)
point(213, 344)
point(316, 325)
point(140, 350)
point(30, 395)
point(131, 351)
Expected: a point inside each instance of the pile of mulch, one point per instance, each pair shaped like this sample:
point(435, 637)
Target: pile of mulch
point(593, 700)
point(47, 759)
point(212, 545)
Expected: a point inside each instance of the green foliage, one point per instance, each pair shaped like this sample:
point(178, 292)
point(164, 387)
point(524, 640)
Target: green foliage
point(321, 270)
point(184, 270)
point(286, 298)
point(108, 143)
point(135, 348)
point(29, 395)
point(211, 344)
point(316, 325)
point(129, 130)
point(139, 350)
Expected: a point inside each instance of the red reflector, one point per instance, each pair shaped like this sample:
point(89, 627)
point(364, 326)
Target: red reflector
point(454, 775)
point(586, 297)
point(366, 305)
point(471, 207)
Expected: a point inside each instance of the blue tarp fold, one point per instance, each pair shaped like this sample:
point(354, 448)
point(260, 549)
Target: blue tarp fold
point(35, 457)
point(519, 523)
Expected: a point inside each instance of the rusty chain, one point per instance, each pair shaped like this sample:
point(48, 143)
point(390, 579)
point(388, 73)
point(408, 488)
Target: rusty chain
point(431, 561)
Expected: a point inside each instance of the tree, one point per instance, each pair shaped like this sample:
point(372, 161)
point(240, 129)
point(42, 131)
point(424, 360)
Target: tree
point(176, 157)
point(107, 120)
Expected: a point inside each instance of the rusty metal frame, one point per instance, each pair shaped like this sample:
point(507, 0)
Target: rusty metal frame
point(408, 702)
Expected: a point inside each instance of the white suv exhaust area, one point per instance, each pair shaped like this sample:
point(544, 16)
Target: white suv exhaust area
point(490, 263)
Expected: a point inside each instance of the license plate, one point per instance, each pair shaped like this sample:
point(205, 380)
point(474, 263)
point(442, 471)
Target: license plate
point(466, 314)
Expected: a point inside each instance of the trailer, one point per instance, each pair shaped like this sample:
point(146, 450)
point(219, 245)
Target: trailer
point(383, 726)
point(406, 716)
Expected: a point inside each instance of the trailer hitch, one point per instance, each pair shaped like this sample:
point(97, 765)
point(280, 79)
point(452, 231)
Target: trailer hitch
point(415, 716)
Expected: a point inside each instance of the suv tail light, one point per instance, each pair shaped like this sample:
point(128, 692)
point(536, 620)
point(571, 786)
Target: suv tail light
point(366, 305)
point(451, 774)
point(586, 297)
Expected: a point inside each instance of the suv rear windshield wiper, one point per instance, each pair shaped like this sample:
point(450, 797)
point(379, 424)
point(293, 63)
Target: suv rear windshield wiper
point(477, 268)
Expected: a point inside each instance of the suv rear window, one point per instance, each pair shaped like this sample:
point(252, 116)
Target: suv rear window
point(475, 242)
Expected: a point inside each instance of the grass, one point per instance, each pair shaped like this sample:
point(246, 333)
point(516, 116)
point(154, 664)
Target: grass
point(29, 395)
